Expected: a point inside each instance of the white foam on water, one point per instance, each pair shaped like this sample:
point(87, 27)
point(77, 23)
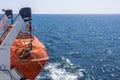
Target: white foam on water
point(61, 73)
point(72, 53)
point(109, 51)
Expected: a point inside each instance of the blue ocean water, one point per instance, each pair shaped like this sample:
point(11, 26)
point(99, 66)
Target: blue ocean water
point(81, 47)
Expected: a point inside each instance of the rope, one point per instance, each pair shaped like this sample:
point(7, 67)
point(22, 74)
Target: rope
point(43, 67)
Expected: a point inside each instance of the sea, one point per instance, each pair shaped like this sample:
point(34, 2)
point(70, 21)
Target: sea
point(80, 46)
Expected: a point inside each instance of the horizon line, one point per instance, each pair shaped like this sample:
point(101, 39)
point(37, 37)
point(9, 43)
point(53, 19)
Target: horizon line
point(74, 13)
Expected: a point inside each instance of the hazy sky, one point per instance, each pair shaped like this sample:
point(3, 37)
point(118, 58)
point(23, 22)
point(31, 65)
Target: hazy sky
point(64, 6)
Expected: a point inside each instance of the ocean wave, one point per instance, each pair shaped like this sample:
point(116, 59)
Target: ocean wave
point(63, 70)
point(74, 53)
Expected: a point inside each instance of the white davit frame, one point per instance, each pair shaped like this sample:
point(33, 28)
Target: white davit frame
point(7, 43)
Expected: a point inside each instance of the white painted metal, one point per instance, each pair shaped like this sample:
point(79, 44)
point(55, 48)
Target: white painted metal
point(16, 74)
point(7, 43)
point(3, 22)
point(4, 76)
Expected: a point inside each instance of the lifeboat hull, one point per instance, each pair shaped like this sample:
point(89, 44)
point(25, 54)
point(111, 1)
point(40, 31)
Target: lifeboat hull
point(33, 64)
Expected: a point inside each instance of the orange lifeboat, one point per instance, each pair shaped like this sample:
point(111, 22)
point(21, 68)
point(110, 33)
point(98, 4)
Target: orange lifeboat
point(28, 55)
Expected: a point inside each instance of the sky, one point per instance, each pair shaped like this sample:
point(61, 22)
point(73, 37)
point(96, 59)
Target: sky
point(64, 6)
